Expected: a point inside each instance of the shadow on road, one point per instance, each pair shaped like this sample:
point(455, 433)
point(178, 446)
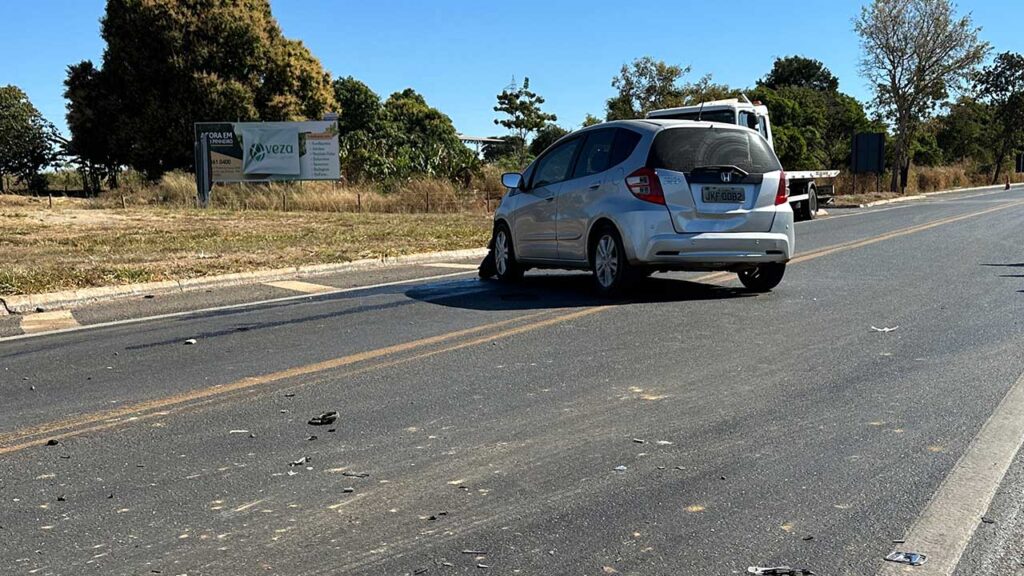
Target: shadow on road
point(569, 291)
point(1017, 265)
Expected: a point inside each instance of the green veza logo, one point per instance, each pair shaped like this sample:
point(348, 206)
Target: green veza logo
point(259, 151)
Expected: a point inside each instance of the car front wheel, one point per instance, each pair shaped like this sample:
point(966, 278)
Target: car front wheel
point(764, 277)
point(505, 264)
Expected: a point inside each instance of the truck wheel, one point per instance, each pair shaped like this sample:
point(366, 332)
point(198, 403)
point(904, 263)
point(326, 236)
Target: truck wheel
point(764, 277)
point(812, 203)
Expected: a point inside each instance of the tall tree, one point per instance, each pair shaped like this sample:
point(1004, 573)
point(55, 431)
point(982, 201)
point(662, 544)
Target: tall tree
point(590, 120)
point(643, 85)
point(914, 53)
point(94, 146)
point(171, 63)
point(523, 116)
point(1002, 86)
point(27, 140)
point(802, 72)
point(363, 134)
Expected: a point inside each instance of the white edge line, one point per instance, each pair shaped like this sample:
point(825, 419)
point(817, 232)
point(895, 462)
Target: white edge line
point(899, 205)
point(233, 306)
point(945, 527)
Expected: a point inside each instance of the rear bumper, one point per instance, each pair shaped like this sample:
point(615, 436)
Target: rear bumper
point(716, 249)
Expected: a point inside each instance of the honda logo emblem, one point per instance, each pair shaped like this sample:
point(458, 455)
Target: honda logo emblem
point(725, 176)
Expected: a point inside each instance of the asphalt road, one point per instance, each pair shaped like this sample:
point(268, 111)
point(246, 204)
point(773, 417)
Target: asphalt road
point(481, 426)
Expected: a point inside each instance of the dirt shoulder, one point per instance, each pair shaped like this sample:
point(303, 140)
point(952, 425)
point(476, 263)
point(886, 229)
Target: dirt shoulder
point(70, 246)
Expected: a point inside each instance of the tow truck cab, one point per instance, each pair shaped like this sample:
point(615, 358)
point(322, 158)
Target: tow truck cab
point(730, 111)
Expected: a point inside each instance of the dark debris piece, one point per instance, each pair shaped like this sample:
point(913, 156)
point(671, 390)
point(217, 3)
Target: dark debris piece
point(323, 419)
point(52, 442)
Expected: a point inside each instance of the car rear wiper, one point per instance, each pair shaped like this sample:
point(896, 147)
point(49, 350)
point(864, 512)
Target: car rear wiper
point(720, 168)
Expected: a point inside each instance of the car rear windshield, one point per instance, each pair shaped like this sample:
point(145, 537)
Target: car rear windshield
point(683, 149)
point(723, 116)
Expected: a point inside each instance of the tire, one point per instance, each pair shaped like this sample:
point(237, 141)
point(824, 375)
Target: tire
point(612, 273)
point(505, 266)
point(812, 203)
point(763, 278)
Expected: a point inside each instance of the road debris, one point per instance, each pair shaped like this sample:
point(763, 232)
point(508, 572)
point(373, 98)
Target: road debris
point(483, 566)
point(437, 516)
point(987, 520)
point(620, 468)
point(290, 395)
point(808, 538)
point(420, 571)
point(476, 552)
point(664, 443)
point(190, 341)
point(348, 490)
point(639, 440)
point(323, 419)
point(912, 558)
point(61, 498)
point(311, 437)
point(884, 329)
point(356, 474)
point(779, 571)
point(238, 431)
point(52, 442)
point(300, 461)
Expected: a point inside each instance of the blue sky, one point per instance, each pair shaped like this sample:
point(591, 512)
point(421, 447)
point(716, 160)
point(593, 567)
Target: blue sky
point(460, 53)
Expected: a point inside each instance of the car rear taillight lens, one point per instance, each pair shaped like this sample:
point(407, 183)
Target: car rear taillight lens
point(645, 185)
point(782, 196)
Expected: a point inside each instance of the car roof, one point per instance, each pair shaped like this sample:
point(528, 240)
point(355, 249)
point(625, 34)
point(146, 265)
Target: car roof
point(657, 124)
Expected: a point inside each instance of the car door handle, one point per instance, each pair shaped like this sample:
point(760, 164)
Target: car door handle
point(594, 186)
point(550, 199)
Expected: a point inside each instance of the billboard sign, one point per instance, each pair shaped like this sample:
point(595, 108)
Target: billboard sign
point(269, 151)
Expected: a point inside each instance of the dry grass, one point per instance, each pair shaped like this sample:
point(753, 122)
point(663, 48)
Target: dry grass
point(77, 245)
point(431, 195)
point(922, 179)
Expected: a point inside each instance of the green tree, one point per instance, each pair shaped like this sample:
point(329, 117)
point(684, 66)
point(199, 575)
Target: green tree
point(93, 147)
point(964, 132)
point(26, 139)
point(643, 85)
point(171, 63)
point(545, 137)
point(800, 71)
point(508, 153)
point(1001, 85)
point(422, 140)
point(590, 120)
point(521, 106)
point(363, 133)
point(914, 53)
point(706, 90)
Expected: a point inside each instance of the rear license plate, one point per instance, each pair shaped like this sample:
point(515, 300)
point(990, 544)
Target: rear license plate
point(724, 194)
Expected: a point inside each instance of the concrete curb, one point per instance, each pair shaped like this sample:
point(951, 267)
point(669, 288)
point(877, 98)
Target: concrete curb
point(74, 298)
point(930, 194)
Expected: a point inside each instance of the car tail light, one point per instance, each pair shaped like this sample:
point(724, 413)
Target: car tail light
point(782, 196)
point(645, 185)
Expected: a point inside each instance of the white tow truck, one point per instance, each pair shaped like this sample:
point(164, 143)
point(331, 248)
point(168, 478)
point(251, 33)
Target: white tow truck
point(806, 188)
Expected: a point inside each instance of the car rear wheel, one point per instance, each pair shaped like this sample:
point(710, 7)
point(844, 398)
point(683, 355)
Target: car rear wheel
point(608, 261)
point(505, 265)
point(764, 277)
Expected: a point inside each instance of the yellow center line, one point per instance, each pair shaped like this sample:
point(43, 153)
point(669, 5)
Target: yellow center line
point(110, 418)
point(252, 381)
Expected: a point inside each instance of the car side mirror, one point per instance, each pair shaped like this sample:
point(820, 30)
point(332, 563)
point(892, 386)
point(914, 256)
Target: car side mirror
point(511, 180)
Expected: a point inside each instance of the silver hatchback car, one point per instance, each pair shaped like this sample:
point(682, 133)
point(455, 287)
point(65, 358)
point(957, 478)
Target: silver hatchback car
point(628, 198)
